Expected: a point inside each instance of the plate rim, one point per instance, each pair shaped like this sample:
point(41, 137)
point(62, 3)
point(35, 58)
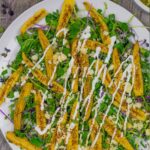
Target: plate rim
point(7, 31)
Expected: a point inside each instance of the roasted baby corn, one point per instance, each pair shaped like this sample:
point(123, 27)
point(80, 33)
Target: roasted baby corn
point(40, 14)
point(56, 87)
point(98, 145)
point(20, 105)
point(22, 142)
point(138, 81)
point(9, 84)
point(73, 139)
point(100, 20)
point(49, 55)
point(109, 128)
point(66, 12)
point(40, 115)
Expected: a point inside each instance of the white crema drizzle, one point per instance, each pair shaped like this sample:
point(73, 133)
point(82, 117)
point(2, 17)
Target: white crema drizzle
point(129, 105)
point(113, 97)
point(126, 73)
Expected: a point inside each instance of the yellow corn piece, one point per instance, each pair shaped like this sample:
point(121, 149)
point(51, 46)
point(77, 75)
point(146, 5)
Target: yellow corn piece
point(75, 81)
point(75, 67)
point(40, 14)
point(40, 116)
point(22, 142)
point(58, 132)
point(66, 12)
point(36, 72)
point(100, 20)
point(9, 84)
point(53, 140)
point(116, 63)
point(73, 110)
point(56, 87)
point(61, 128)
point(86, 91)
point(98, 144)
point(74, 136)
point(92, 45)
point(134, 112)
point(87, 86)
point(138, 81)
point(73, 139)
point(49, 55)
point(20, 105)
point(109, 127)
point(83, 60)
point(107, 78)
point(74, 47)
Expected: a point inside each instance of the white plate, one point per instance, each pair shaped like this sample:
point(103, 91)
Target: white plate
point(142, 5)
point(9, 39)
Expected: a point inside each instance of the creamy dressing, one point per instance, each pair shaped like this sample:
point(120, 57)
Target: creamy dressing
point(113, 97)
point(120, 67)
point(53, 74)
point(71, 63)
point(44, 96)
point(75, 75)
point(64, 30)
point(82, 83)
point(129, 105)
point(72, 124)
point(110, 47)
point(86, 33)
point(100, 100)
point(127, 73)
point(95, 80)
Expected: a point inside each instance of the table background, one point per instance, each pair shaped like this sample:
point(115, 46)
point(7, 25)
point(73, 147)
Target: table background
point(19, 6)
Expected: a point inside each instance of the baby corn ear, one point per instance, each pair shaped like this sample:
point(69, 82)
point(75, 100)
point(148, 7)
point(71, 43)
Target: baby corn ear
point(109, 127)
point(49, 55)
point(9, 84)
point(22, 142)
point(100, 20)
point(40, 116)
point(40, 14)
point(56, 87)
point(92, 45)
point(138, 80)
point(65, 14)
point(73, 139)
point(20, 105)
point(98, 144)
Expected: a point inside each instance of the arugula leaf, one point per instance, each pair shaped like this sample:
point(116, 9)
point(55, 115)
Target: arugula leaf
point(120, 47)
point(66, 50)
point(37, 141)
point(52, 19)
point(20, 134)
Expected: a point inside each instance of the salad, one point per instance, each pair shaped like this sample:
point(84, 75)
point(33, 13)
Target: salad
point(78, 83)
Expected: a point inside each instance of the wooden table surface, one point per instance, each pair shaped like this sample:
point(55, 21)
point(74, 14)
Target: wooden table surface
point(19, 6)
